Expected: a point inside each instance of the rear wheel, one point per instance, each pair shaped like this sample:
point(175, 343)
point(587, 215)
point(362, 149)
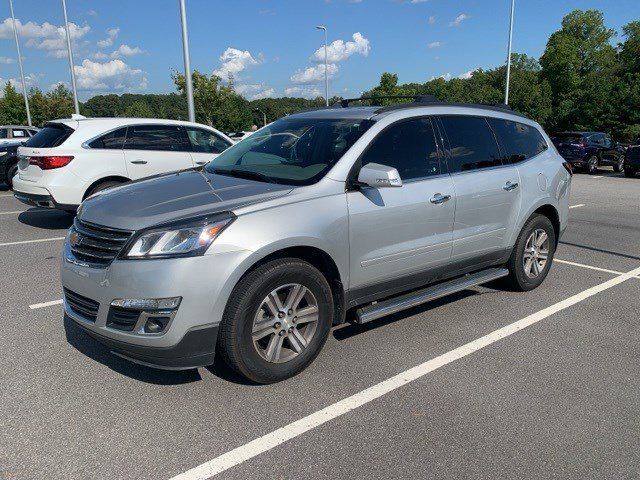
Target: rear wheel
point(277, 320)
point(592, 165)
point(618, 167)
point(532, 254)
point(103, 186)
point(11, 172)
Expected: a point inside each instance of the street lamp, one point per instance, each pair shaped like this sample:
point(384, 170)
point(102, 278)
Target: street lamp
point(506, 91)
point(24, 85)
point(326, 71)
point(264, 116)
point(73, 74)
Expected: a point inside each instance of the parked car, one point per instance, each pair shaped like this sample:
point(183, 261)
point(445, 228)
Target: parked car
point(370, 210)
point(589, 150)
point(632, 159)
point(11, 137)
point(69, 160)
point(237, 136)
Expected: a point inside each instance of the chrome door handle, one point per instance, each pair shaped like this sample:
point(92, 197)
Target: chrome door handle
point(139, 162)
point(510, 186)
point(438, 198)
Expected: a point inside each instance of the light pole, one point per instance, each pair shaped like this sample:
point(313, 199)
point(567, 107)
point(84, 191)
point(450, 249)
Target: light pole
point(326, 71)
point(187, 62)
point(73, 74)
point(264, 116)
point(24, 85)
point(506, 91)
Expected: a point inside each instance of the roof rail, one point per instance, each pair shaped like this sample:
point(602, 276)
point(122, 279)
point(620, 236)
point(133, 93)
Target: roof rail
point(344, 103)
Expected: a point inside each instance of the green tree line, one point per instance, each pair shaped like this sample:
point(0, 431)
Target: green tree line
point(581, 82)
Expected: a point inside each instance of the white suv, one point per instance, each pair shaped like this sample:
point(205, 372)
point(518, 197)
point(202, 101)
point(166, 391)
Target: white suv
point(69, 160)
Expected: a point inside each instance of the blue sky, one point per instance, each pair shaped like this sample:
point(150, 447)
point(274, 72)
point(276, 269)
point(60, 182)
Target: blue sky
point(269, 46)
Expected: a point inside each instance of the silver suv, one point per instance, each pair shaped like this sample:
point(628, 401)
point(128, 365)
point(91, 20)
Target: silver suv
point(340, 213)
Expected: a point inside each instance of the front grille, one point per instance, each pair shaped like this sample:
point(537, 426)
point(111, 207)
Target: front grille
point(82, 306)
point(95, 244)
point(122, 318)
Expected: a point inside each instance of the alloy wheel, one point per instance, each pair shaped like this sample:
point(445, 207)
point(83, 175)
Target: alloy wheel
point(285, 323)
point(536, 253)
point(593, 164)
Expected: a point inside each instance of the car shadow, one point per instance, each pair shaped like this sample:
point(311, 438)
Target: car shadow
point(46, 218)
point(352, 329)
point(4, 187)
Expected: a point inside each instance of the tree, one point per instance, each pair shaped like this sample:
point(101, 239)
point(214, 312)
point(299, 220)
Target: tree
point(138, 109)
point(12, 109)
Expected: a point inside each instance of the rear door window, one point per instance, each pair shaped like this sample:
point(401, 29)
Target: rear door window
point(519, 141)
point(110, 141)
point(166, 138)
point(203, 141)
point(52, 135)
point(472, 144)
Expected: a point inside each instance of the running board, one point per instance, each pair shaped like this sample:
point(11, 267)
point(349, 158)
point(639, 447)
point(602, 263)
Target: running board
point(408, 300)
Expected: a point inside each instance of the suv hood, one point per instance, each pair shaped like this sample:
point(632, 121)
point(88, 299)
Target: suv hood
point(175, 196)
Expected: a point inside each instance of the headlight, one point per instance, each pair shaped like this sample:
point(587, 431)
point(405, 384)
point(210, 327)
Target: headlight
point(179, 240)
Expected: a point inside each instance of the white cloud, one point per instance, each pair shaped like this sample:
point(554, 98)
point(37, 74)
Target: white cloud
point(125, 50)
point(31, 80)
point(7, 60)
point(111, 75)
point(235, 61)
point(45, 36)
point(315, 74)
point(419, 1)
point(434, 45)
point(459, 19)
point(112, 34)
point(466, 74)
point(431, 20)
point(339, 50)
point(255, 91)
point(306, 92)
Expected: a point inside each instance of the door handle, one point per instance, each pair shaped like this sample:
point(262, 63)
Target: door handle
point(438, 198)
point(139, 162)
point(510, 186)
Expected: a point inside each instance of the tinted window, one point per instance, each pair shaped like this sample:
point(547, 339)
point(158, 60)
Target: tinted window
point(3, 133)
point(112, 140)
point(204, 141)
point(293, 151)
point(157, 137)
point(52, 135)
point(519, 141)
point(409, 146)
point(471, 144)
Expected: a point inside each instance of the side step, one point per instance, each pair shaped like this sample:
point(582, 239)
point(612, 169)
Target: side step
point(408, 300)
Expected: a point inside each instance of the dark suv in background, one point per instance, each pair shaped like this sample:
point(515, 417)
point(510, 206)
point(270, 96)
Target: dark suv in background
point(589, 150)
point(632, 159)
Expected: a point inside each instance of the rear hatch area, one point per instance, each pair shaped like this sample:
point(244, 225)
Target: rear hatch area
point(43, 147)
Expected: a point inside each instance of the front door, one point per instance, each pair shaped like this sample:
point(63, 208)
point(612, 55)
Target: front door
point(154, 149)
point(398, 231)
point(487, 192)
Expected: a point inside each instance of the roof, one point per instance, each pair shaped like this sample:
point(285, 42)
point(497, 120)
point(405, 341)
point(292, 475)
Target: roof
point(362, 113)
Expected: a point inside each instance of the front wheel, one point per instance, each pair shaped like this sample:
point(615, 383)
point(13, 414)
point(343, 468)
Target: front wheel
point(618, 167)
point(277, 321)
point(592, 165)
point(532, 254)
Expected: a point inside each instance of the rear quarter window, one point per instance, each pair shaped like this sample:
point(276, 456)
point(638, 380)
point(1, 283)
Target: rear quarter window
point(518, 140)
point(50, 136)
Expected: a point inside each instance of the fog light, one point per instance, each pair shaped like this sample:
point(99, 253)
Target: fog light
point(170, 303)
point(155, 324)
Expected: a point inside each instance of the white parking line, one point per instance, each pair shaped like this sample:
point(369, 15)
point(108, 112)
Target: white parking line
point(31, 241)
point(577, 206)
point(271, 440)
point(12, 213)
point(597, 176)
point(45, 304)
point(6, 194)
point(590, 267)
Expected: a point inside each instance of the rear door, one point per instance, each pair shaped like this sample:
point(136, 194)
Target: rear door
point(205, 144)
point(487, 191)
point(153, 149)
point(394, 232)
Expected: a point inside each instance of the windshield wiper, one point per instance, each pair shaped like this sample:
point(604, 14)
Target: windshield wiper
point(245, 174)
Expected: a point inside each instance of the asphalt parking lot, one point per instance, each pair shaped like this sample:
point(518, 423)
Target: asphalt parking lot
point(484, 384)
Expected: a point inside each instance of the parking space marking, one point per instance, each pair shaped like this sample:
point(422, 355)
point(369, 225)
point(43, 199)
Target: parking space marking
point(577, 206)
point(12, 213)
point(590, 267)
point(288, 432)
point(597, 176)
point(6, 194)
point(40, 240)
point(45, 304)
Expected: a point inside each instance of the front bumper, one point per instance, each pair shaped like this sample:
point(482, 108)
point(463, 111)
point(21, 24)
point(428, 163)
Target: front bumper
point(189, 340)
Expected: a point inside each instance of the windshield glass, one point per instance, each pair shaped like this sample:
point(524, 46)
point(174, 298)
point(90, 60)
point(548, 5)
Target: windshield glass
point(290, 151)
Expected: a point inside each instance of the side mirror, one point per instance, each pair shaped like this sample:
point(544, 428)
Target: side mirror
point(379, 176)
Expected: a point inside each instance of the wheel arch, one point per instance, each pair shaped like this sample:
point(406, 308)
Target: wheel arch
point(111, 178)
point(552, 214)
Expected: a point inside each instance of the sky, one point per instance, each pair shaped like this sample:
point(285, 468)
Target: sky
point(271, 48)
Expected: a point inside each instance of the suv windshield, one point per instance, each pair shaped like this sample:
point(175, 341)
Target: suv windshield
point(290, 151)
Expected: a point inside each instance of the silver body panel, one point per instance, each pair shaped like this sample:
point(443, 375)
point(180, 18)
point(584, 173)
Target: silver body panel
point(372, 235)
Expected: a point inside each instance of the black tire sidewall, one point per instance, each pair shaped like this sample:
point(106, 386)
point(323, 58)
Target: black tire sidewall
point(516, 268)
point(11, 171)
point(103, 186)
point(590, 169)
point(237, 345)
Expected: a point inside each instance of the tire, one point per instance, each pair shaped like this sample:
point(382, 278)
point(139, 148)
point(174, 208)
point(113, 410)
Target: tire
point(592, 165)
point(519, 278)
point(11, 172)
point(102, 186)
point(629, 173)
point(619, 167)
point(246, 308)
